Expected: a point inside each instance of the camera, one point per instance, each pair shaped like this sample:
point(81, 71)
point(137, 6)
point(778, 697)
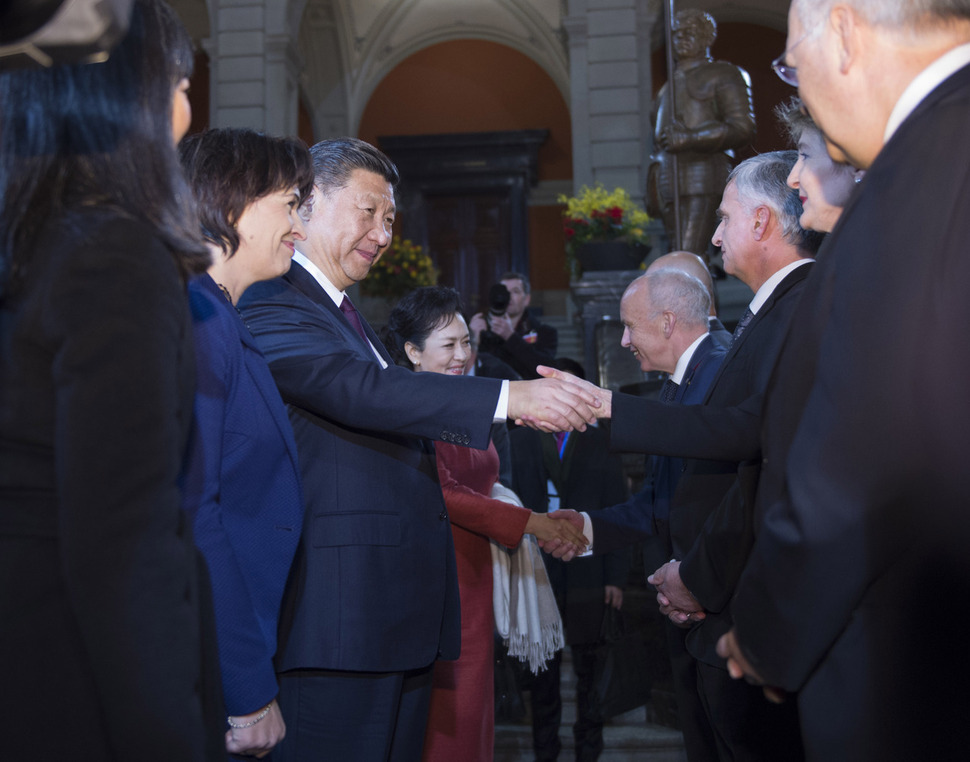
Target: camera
point(498, 300)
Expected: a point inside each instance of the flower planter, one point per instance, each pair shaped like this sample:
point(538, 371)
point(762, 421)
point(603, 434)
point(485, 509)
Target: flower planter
point(611, 255)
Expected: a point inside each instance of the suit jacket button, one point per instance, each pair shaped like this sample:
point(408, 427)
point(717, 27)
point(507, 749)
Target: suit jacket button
point(465, 440)
point(443, 515)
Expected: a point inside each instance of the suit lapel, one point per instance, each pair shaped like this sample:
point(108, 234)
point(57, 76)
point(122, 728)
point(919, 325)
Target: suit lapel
point(795, 276)
point(300, 279)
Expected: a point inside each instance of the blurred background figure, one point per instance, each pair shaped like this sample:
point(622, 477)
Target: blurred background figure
point(242, 479)
point(107, 644)
point(510, 332)
point(574, 470)
point(427, 333)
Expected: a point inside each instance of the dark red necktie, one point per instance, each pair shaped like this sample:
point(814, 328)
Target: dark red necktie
point(350, 312)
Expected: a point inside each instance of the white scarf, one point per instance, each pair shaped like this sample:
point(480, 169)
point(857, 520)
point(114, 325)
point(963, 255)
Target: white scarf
point(526, 615)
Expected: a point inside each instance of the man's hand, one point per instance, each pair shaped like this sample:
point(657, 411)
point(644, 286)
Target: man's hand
point(614, 596)
point(605, 410)
point(547, 531)
point(676, 601)
point(552, 405)
point(259, 739)
point(738, 666)
point(501, 325)
point(476, 325)
point(557, 549)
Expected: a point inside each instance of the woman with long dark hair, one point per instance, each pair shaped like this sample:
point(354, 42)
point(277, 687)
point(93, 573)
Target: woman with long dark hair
point(242, 480)
point(106, 639)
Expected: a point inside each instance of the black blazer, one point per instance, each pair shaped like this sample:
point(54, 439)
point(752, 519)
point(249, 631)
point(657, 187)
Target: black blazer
point(587, 478)
point(863, 543)
point(374, 586)
point(711, 517)
point(105, 611)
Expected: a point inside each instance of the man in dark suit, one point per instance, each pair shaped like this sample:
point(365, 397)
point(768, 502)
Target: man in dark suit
point(710, 516)
point(570, 471)
point(860, 562)
point(372, 599)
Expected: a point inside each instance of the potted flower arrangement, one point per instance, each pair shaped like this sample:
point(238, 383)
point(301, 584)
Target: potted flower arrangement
point(402, 268)
point(605, 230)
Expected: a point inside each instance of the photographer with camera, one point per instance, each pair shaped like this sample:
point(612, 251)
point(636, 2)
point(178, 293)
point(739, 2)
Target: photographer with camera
point(509, 332)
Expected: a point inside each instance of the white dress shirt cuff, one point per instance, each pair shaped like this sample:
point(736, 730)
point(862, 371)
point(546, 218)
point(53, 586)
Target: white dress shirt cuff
point(502, 408)
point(588, 534)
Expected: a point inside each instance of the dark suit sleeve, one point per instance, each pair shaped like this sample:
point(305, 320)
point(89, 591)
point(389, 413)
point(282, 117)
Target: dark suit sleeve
point(248, 675)
point(116, 321)
point(319, 371)
point(689, 431)
point(713, 565)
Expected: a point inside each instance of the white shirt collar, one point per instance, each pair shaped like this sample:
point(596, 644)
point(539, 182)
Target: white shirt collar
point(332, 291)
point(925, 83)
point(684, 360)
point(772, 283)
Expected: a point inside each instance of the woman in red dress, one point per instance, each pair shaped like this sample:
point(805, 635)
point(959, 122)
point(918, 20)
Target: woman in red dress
point(426, 332)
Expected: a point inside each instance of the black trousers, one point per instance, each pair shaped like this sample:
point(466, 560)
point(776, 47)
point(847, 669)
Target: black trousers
point(371, 717)
point(547, 710)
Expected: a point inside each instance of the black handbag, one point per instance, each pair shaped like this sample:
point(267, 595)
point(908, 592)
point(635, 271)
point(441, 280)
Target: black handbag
point(621, 674)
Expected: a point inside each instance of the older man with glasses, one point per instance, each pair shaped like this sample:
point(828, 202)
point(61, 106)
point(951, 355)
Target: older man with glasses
point(860, 566)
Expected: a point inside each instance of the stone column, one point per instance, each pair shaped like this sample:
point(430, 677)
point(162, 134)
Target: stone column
point(254, 66)
point(610, 74)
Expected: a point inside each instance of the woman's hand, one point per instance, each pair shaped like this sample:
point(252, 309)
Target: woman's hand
point(547, 529)
point(258, 739)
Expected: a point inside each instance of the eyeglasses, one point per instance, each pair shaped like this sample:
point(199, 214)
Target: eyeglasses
point(789, 74)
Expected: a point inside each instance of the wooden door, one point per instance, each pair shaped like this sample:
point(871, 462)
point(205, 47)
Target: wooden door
point(469, 237)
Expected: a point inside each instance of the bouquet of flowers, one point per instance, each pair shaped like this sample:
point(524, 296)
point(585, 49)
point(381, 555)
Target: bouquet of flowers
point(598, 215)
point(402, 268)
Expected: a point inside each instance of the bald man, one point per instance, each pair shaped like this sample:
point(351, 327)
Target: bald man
point(690, 263)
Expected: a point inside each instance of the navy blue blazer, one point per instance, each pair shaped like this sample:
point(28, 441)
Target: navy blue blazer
point(374, 587)
point(242, 489)
point(646, 513)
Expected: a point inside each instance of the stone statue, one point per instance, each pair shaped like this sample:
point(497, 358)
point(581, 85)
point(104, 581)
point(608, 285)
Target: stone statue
point(712, 114)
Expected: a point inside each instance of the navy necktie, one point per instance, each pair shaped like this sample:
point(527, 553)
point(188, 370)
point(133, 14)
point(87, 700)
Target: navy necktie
point(350, 312)
point(668, 391)
point(742, 324)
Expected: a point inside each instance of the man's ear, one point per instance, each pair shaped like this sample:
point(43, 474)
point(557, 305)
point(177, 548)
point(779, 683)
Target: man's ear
point(306, 208)
point(669, 323)
point(845, 24)
point(759, 222)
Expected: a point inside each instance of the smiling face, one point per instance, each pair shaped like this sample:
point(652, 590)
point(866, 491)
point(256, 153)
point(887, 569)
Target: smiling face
point(643, 333)
point(349, 229)
point(823, 186)
point(446, 350)
point(268, 229)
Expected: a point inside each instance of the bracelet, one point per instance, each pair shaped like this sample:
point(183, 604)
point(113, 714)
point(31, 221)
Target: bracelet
point(249, 724)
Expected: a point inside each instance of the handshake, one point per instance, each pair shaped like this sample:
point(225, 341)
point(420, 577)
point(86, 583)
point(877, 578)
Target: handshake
point(557, 402)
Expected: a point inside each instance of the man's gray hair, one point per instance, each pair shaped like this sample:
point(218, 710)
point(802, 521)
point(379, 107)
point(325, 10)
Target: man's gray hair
point(763, 180)
point(681, 293)
point(889, 13)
